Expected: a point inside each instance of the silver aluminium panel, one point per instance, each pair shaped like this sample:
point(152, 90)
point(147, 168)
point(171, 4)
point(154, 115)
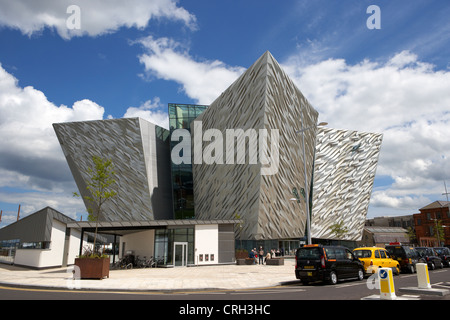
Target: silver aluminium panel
point(344, 172)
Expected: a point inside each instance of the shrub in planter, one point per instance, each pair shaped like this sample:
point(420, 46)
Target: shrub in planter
point(241, 254)
point(93, 266)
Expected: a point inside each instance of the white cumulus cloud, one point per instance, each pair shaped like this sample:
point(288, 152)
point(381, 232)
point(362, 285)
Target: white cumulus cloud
point(403, 98)
point(202, 81)
point(150, 111)
point(93, 17)
point(31, 157)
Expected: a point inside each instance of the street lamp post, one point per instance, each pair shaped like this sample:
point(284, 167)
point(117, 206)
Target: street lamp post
point(308, 218)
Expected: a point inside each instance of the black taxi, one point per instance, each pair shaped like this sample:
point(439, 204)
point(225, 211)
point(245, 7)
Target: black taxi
point(326, 263)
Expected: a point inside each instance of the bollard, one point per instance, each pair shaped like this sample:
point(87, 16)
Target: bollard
point(423, 278)
point(387, 289)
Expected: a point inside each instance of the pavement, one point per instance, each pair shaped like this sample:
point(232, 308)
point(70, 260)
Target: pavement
point(217, 277)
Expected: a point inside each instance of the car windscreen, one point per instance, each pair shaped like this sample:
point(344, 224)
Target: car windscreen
point(362, 253)
point(308, 254)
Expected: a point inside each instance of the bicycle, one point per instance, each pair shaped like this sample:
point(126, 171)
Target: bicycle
point(145, 263)
point(124, 263)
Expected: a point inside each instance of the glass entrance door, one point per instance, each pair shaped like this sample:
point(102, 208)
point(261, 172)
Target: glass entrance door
point(180, 254)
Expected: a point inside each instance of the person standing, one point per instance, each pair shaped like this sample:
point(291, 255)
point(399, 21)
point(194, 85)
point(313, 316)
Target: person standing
point(261, 255)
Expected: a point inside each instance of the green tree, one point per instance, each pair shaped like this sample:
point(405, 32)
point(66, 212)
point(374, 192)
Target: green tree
point(100, 187)
point(338, 229)
point(438, 232)
point(411, 234)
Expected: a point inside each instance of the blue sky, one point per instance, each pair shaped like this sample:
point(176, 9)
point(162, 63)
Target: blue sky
point(132, 58)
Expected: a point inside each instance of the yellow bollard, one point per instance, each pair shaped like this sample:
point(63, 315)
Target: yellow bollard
point(423, 277)
point(387, 289)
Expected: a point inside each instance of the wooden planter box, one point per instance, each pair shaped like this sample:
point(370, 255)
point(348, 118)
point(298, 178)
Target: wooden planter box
point(275, 262)
point(93, 268)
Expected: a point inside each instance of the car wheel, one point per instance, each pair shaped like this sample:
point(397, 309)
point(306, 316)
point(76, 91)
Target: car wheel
point(432, 266)
point(397, 270)
point(442, 266)
point(333, 277)
point(361, 274)
point(412, 269)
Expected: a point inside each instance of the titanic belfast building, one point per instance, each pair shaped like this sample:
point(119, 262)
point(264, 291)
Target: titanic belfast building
point(255, 162)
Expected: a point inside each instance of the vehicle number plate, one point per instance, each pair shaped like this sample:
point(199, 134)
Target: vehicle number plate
point(309, 267)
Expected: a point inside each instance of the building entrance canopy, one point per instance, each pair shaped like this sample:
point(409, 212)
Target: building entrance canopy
point(171, 242)
point(126, 227)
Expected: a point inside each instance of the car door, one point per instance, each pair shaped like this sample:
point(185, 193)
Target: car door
point(387, 261)
point(352, 265)
point(341, 263)
point(376, 258)
point(436, 258)
point(384, 263)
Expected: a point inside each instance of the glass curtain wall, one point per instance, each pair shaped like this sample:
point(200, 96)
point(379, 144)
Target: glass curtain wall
point(164, 244)
point(8, 250)
point(180, 117)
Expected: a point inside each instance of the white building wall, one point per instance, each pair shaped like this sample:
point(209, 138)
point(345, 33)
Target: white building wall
point(142, 243)
point(206, 244)
point(42, 258)
point(74, 245)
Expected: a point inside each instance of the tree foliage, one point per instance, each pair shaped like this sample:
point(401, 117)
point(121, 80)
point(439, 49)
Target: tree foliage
point(100, 187)
point(338, 229)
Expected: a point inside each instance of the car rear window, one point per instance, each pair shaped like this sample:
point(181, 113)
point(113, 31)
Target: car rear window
point(442, 250)
point(362, 253)
point(308, 253)
point(397, 250)
point(421, 250)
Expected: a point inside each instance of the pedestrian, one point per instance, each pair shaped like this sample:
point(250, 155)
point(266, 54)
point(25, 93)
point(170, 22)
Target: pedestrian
point(261, 255)
point(251, 255)
point(268, 257)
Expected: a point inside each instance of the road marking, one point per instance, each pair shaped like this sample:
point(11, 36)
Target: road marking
point(168, 292)
point(350, 285)
point(439, 271)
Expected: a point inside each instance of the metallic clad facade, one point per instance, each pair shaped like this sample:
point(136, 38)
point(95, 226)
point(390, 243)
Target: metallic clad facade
point(340, 163)
point(262, 98)
point(344, 172)
point(139, 151)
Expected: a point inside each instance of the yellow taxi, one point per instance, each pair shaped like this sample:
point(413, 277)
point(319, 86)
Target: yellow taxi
point(374, 258)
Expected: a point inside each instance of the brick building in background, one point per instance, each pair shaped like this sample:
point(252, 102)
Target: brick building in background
point(427, 220)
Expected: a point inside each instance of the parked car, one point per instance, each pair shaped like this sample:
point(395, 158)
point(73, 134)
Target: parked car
point(326, 263)
point(431, 257)
point(406, 256)
point(444, 254)
point(374, 258)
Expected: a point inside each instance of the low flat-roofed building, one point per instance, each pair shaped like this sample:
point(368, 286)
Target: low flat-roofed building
point(40, 240)
point(382, 236)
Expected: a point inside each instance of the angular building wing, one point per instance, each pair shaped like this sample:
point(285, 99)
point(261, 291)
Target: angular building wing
point(250, 148)
point(262, 101)
point(344, 172)
point(139, 151)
